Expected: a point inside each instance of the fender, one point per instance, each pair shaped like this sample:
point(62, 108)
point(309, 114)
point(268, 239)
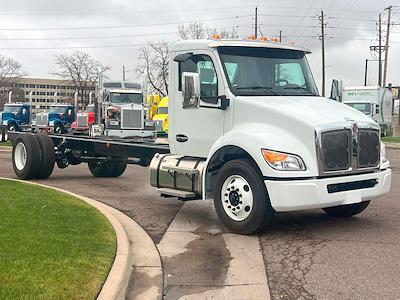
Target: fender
point(252, 137)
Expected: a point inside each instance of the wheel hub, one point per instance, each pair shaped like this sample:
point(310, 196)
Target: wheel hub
point(237, 197)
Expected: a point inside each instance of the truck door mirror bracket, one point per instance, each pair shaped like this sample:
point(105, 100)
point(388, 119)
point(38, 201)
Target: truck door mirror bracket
point(224, 102)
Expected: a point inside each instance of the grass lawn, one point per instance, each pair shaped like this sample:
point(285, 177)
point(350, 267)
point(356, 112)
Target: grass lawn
point(6, 144)
point(52, 246)
point(391, 139)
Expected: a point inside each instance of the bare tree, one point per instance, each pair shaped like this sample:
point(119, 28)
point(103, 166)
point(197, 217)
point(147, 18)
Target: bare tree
point(10, 72)
point(80, 69)
point(196, 31)
point(153, 66)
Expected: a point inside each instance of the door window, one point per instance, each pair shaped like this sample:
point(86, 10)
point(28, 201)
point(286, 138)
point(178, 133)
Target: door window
point(203, 65)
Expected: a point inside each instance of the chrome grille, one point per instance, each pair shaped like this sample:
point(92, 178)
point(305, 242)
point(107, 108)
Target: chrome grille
point(132, 119)
point(335, 149)
point(368, 148)
point(82, 120)
point(42, 119)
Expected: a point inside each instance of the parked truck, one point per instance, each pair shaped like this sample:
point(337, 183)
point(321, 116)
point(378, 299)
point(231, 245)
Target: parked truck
point(374, 101)
point(58, 119)
point(16, 116)
point(123, 112)
point(248, 129)
point(84, 120)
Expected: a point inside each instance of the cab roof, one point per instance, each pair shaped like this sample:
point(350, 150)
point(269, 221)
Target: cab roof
point(188, 45)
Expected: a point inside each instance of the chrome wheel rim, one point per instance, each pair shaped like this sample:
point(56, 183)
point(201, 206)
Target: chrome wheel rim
point(237, 198)
point(20, 156)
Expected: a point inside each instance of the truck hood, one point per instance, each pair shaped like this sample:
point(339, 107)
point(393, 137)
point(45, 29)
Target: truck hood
point(54, 116)
point(288, 124)
point(6, 116)
point(311, 111)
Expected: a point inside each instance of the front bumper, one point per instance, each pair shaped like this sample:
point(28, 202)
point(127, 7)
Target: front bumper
point(292, 195)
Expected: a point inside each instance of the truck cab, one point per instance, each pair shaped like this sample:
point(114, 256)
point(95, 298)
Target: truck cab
point(124, 113)
point(15, 116)
point(59, 118)
point(248, 128)
point(84, 120)
point(161, 116)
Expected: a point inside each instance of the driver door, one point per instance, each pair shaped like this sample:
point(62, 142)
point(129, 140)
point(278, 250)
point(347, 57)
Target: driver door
point(197, 128)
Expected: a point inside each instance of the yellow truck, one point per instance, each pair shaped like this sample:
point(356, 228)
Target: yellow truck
point(161, 116)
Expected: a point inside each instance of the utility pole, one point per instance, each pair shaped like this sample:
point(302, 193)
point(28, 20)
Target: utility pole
point(380, 51)
point(123, 73)
point(280, 36)
point(322, 37)
point(389, 9)
point(256, 23)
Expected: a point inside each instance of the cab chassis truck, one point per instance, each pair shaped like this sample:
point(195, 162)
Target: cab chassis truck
point(248, 129)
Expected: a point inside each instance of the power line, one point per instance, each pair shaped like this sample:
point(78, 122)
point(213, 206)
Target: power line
point(120, 26)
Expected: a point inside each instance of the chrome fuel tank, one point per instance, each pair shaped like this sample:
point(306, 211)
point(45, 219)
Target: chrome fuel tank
point(177, 172)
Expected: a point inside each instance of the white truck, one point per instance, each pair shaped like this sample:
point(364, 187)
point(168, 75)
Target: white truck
point(124, 112)
point(247, 129)
point(374, 101)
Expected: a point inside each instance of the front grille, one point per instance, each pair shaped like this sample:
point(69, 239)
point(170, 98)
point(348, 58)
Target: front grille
point(368, 148)
point(82, 120)
point(42, 119)
point(335, 150)
point(132, 118)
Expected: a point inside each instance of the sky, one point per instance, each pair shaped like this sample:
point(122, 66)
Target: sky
point(112, 31)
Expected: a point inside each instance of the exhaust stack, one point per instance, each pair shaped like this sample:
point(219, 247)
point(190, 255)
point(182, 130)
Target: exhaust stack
point(9, 96)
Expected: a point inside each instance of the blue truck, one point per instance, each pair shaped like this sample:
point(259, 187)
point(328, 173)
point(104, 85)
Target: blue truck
point(59, 118)
point(16, 116)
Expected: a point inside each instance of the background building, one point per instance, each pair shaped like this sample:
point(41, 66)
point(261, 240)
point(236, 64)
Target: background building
point(43, 91)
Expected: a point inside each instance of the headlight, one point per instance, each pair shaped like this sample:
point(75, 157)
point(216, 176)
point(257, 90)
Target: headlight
point(383, 153)
point(283, 161)
point(5, 122)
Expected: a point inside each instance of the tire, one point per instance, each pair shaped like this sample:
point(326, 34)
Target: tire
point(106, 168)
point(247, 208)
point(119, 169)
point(26, 156)
point(48, 156)
point(12, 127)
point(346, 211)
point(58, 129)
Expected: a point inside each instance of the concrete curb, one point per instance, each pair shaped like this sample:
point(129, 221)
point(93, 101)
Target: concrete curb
point(6, 148)
point(117, 280)
point(393, 145)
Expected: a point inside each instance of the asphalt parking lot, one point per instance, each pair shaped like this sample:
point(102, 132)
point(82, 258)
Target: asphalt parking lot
point(307, 255)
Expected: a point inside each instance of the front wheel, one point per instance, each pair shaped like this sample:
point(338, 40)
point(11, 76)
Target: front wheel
point(58, 129)
point(241, 199)
point(345, 211)
point(12, 127)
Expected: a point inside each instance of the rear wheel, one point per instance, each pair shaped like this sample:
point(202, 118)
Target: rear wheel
point(26, 156)
point(48, 156)
point(345, 211)
point(107, 168)
point(241, 199)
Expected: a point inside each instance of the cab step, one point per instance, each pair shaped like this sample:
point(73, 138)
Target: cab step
point(184, 195)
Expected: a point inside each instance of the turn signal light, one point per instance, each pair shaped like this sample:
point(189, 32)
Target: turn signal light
point(274, 157)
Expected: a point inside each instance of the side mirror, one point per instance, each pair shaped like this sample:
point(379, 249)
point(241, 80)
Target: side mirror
point(24, 111)
point(69, 112)
point(190, 90)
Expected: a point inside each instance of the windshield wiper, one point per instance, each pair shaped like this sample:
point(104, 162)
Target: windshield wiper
point(263, 88)
point(303, 89)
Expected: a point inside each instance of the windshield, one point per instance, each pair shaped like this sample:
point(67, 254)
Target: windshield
point(90, 109)
point(12, 109)
point(58, 109)
point(126, 98)
point(162, 110)
point(258, 71)
point(363, 107)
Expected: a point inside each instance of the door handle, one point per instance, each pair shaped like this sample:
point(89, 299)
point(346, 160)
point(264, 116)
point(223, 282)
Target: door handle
point(181, 138)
